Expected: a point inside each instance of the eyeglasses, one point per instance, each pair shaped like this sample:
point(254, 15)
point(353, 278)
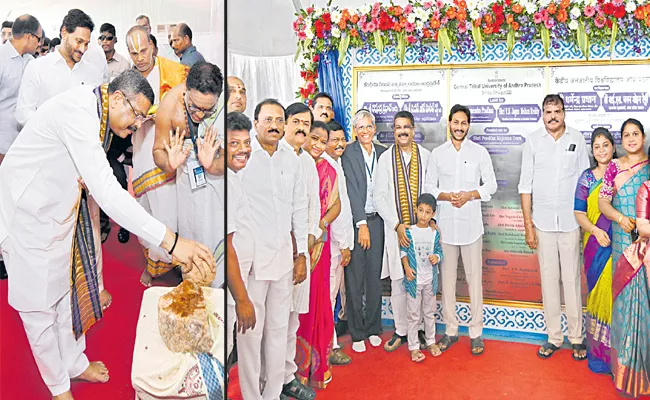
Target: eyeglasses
point(138, 117)
point(192, 109)
point(109, 38)
point(40, 38)
point(270, 120)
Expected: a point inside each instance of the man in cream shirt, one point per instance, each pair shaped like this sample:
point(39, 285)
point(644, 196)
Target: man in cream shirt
point(456, 169)
point(38, 213)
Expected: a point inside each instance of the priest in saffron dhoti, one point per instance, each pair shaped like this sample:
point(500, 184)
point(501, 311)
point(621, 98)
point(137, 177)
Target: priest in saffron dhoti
point(400, 179)
point(154, 189)
point(45, 230)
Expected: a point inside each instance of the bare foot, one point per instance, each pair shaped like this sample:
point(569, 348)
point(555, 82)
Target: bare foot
point(146, 278)
point(64, 396)
point(105, 299)
point(95, 373)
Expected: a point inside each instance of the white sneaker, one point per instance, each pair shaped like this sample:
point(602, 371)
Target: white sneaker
point(375, 340)
point(359, 347)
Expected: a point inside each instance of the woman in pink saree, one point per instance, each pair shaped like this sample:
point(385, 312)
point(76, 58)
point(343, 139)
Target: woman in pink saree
point(317, 326)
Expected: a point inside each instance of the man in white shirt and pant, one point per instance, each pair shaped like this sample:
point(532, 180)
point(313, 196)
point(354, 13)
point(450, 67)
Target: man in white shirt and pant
point(454, 175)
point(552, 160)
point(406, 163)
point(273, 183)
point(342, 231)
point(43, 221)
point(298, 118)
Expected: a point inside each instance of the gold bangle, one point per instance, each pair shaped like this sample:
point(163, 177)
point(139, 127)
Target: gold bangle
point(620, 219)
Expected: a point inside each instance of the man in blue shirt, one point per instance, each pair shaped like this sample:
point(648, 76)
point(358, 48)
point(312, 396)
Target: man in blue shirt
point(181, 42)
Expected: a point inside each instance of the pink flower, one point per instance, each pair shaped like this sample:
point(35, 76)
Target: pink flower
point(411, 39)
point(427, 5)
point(538, 18)
point(371, 26)
point(409, 27)
point(375, 10)
point(589, 11)
point(408, 9)
point(302, 35)
point(439, 4)
point(436, 14)
point(444, 21)
point(462, 28)
point(617, 2)
point(544, 14)
point(311, 88)
point(599, 21)
point(549, 23)
point(309, 10)
point(297, 24)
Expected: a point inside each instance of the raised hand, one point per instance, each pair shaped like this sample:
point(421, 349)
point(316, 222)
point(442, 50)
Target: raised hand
point(208, 149)
point(175, 153)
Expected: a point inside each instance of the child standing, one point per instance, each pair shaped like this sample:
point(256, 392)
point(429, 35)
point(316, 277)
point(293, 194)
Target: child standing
point(420, 261)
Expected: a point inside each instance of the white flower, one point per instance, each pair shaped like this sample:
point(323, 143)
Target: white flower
point(421, 14)
point(411, 18)
point(630, 7)
point(573, 25)
point(366, 9)
point(481, 5)
point(308, 32)
point(336, 32)
point(336, 16)
point(591, 3)
point(544, 3)
point(419, 25)
point(575, 12)
point(474, 15)
point(318, 12)
point(531, 8)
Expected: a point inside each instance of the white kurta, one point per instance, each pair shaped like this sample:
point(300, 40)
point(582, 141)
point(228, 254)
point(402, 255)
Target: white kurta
point(39, 192)
point(341, 229)
point(386, 207)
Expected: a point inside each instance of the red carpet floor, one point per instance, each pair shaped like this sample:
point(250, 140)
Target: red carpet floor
point(111, 340)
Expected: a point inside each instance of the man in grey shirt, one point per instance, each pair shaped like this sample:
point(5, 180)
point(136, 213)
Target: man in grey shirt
point(181, 42)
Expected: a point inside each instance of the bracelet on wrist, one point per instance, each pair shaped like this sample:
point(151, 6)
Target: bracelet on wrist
point(174, 245)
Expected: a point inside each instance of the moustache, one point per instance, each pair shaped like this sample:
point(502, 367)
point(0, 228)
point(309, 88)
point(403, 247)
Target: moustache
point(301, 132)
point(323, 115)
point(553, 120)
point(243, 153)
point(274, 131)
point(403, 135)
point(339, 148)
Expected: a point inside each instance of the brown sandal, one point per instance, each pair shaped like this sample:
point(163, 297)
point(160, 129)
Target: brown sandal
point(435, 350)
point(417, 356)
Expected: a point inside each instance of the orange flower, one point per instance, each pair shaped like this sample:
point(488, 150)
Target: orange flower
point(462, 4)
point(355, 19)
point(478, 22)
point(426, 33)
point(402, 22)
point(639, 14)
point(342, 24)
point(515, 26)
point(451, 13)
point(462, 16)
point(552, 8)
point(510, 19)
point(487, 30)
point(488, 19)
point(517, 8)
point(647, 21)
point(562, 15)
point(435, 23)
point(354, 32)
point(397, 27)
point(397, 10)
point(345, 14)
point(564, 4)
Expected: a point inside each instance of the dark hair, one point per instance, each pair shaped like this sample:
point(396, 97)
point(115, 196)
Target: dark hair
point(298, 108)
point(404, 114)
point(553, 99)
point(205, 77)
point(428, 199)
point(600, 131)
point(335, 126)
point(144, 17)
point(106, 27)
point(266, 102)
point(77, 19)
point(321, 125)
point(322, 95)
point(153, 40)
point(24, 25)
point(54, 42)
point(132, 83)
point(46, 42)
point(184, 30)
point(458, 108)
point(633, 122)
point(236, 121)
point(7, 24)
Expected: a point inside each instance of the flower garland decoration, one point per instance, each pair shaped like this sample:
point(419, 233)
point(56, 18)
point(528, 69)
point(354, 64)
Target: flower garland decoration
point(465, 26)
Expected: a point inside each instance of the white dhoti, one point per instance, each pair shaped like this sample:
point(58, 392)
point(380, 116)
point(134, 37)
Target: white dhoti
point(154, 190)
point(245, 269)
point(336, 278)
point(58, 355)
point(299, 305)
point(268, 340)
point(94, 210)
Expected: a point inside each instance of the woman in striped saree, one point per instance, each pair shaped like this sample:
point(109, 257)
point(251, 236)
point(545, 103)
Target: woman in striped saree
point(597, 252)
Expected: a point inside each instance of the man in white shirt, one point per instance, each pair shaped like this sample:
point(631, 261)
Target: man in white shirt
point(298, 118)
point(14, 56)
point(236, 95)
point(552, 160)
point(241, 241)
point(404, 162)
point(454, 175)
point(44, 227)
point(362, 275)
point(116, 63)
point(61, 70)
point(6, 31)
point(323, 107)
point(342, 233)
point(273, 183)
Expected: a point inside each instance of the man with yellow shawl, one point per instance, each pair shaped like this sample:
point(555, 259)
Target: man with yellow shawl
point(400, 181)
point(154, 189)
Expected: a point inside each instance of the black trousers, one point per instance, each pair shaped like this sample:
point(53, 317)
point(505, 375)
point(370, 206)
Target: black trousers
point(120, 174)
point(362, 277)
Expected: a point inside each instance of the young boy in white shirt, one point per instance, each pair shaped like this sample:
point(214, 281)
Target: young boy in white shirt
point(420, 261)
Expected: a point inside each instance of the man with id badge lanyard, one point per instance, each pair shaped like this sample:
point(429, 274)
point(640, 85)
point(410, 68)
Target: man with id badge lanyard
point(186, 142)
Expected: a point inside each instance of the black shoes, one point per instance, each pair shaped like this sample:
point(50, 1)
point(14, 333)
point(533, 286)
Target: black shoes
point(3, 270)
point(123, 235)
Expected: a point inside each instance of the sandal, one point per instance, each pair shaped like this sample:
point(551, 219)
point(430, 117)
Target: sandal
point(546, 347)
point(577, 348)
point(417, 356)
point(435, 350)
point(477, 346)
point(446, 342)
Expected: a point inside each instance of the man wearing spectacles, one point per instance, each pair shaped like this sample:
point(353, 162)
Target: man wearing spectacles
point(154, 188)
point(116, 63)
point(43, 49)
